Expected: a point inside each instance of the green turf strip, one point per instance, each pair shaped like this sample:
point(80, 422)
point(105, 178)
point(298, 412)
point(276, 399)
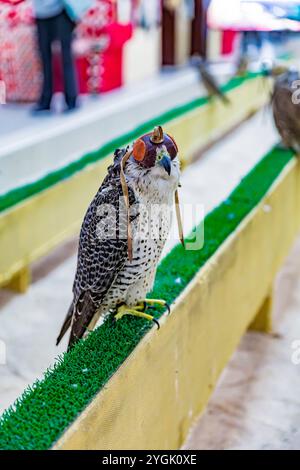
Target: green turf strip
point(21, 193)
point(43, 412)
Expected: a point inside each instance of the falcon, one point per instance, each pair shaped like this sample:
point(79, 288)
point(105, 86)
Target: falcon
point(208, 79)
point(123, 235)
point(242, 66)
point(286, 106)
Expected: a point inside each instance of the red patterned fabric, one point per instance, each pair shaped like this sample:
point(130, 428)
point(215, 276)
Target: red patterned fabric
point(101, 72)
point(15, 13)
point(103, 13)
point(98, 49)
point(19, 59)
point(98, 71)
point(11, 2)
point(100, 66)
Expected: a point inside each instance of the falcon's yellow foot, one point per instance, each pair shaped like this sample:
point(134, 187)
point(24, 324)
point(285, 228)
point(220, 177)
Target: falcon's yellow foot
point(137, 311)
point(159, 302)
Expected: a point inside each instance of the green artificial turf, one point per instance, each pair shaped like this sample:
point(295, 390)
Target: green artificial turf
point(17, 195)
point(42, 413)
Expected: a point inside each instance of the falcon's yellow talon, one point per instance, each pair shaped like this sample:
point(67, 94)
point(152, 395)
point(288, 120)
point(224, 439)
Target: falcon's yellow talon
point(141, 307)
point(125, 310)
point(160, 302)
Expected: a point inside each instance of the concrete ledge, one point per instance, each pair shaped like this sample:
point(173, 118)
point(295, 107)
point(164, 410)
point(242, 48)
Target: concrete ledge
point(43, 145)
point(41, 222)
point(153, 398)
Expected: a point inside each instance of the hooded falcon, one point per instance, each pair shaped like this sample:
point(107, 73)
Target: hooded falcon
point(286, 106)
point(123, 235)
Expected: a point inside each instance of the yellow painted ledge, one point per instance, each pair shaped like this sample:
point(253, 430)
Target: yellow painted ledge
point(152, 400)
point(31, 229)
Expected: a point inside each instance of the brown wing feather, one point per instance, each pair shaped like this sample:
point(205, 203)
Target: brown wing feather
point(286, 116)
point(85, 310)
point(100, 258)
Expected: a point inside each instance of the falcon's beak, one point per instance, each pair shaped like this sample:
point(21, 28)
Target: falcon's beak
point(165, 162)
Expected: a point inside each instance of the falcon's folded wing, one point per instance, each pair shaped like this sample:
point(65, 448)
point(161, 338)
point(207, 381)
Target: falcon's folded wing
point(102, 254)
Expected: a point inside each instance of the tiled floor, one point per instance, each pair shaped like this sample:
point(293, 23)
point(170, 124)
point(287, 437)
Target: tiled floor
point(257, 404)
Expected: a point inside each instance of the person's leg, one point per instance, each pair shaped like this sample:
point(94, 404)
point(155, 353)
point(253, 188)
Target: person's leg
point(65, 29)
point(244, 44)
point(45, 40)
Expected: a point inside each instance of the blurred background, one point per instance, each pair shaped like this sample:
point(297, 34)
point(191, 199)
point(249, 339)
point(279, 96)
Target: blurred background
point(134, 60)
point(119, 42)
point(122, 49)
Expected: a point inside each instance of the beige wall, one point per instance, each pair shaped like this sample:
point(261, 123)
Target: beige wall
point(183, 36)
point(214, 41)
point(142, 55)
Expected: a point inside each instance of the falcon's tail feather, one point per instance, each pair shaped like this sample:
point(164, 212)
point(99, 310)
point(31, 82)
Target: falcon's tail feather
point(84, 312)
point(66, 325)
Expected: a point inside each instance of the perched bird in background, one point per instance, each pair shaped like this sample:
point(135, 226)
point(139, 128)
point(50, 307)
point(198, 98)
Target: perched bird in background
point(208, 79)
point(122, 238)
point(286, 106)
point(242, 66)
